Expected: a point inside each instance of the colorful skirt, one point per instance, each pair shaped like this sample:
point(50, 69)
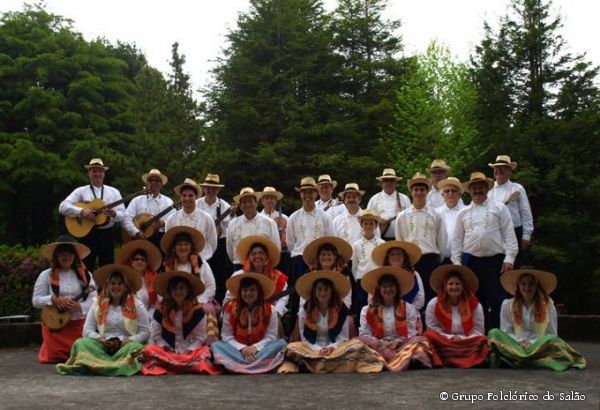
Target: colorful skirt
point(415, 349)
point(267, 359)
point(88, 356)
point(548, 352)
point(351, 356)
point(157, 361)
point(57, 344)
point(464, 352)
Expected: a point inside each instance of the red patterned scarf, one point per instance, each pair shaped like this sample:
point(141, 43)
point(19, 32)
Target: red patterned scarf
point(100, 309)
point(149, 277)
point(171, 263)
point(375, 320)
point(81, 271)
point(242, 318)
point(466, 306)
point(275, 275)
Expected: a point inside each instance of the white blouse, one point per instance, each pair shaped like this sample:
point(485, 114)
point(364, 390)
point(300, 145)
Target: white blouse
point(304, 227)
point(322, 332)
point(144, 297)
point(242, 227)
point(528, 325)
point(419, 300)
point(207, 278)
point(115, 325)
point(280, 305)
point(194, 339)
point(457, 328)
point(228, 336)
point(389, 322)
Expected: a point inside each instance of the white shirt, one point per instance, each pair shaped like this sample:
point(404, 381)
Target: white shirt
point(194, 339)
point(69, 286)
point(144, 297)
point(347, 226)
point(389, 322)
point(449, 216)
point(212, 211)
point(322, 339)
point(270, 335)
point(424, 227)
point(484, 230)
point(85, 194)
point(419, 300)
point(280, 305)
point(362, 261)
point(436, 200)
point(528, 325)
point(457, 327)
point(304, 227)
point(115, 325)
point(200, 221)
point(207, 278)
point(387, 207)
point(145, 204)
point(520, 211)
point(336, 207)
point(242, 227)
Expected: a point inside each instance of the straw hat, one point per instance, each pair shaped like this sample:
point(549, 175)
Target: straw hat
point(310, 251)
point(405, 279)
point(439, 274)
point(418, 178)
point(244, 245)
point(412, 251)
point(478, 177)
point(269, 190)
point(212, 180)
point(196, 236)
point(351, 187)
point(306, 183)
point(246, 192)
point(80, 249)
point(370, 214)
point(510, 279)
point(132, 278)
point(305, 283)
point(155, 173)
point(326, 179)
point(96, 163)
point(189, 182)
point(267, 285)
point(388, 173)
point(438, 164)
point(503, 160)
point(152, 252)
point(161, 283)
point(451, 181)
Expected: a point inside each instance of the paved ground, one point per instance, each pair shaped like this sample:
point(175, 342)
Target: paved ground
point(26, 384)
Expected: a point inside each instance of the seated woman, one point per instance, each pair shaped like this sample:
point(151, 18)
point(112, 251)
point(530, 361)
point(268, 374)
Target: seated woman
point(145, 258)
point(64, 292)
point(179, 328)
point(405, 255)
point(455, 324)
point(390, 325)
point(528, 337)
point(115, 329)
point(249, 342)
point(324, 330)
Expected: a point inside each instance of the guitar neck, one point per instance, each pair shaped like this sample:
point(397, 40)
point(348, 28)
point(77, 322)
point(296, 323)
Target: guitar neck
point(280, 295)
point(222, 216)
point(123, 200)
point(165, 211)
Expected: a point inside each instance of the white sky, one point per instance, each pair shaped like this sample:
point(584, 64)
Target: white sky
point(200, 25)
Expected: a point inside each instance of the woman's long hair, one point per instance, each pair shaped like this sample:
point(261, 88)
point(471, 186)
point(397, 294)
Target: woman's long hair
point(313, 303)
point(443, 296)
point(171, 257)
point(168, 301)
point(386, 279)
point(77, 263)
point(338, 263)
point(406, 265)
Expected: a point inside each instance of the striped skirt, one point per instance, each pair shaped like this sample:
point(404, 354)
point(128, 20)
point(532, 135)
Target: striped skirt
point(415, 349)
point(267, 359)
point(464, 352)
point(57, 344)
point(548, 352)
point(157, 361)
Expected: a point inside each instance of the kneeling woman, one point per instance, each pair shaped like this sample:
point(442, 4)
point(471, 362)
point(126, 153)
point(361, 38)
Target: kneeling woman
point(179, 328)
point(249, 342)
point(455, 323)
point(115, 328)
point(527, 337)
point(390, 325)
point(324, 330)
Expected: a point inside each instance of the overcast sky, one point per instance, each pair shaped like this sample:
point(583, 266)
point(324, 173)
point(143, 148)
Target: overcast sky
point(200, 25)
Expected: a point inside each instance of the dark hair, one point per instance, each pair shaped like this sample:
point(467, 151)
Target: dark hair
point(338, 263)
point(406, 265)
point(183, 237)
point(258, 245)
point(65, 247)
point(313, 303)
point(189, 188)
point(386, 279)
point(139, 252)
point(246, 283)
point(176, 281)
point(127, 288)
point(419, 184)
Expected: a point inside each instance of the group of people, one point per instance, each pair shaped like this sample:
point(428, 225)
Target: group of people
point(332, 288)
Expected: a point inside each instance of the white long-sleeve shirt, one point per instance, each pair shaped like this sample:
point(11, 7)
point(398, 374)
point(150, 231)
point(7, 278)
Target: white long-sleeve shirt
point(201, 221)
point(362, 260)
point(228, 336)
point(322, 339)
point(144, 297)
point(280, 305)
point(207, 278)
point(520, 211)
point(242, 227)
point(334, 207)
point(212, 211)
point(449, 216)
point(457, 327)
point(195, 338)
point(424, 227)
point(85, 194)
point(304, 227)
point(145, 204)
point(389, 322)
point(386, 205)
point(527, 313)
point(347, 226)
point(115, 325)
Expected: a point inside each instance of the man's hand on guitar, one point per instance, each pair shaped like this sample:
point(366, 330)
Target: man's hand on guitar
point(140, 235)
point(109, 212)
point(88, 213)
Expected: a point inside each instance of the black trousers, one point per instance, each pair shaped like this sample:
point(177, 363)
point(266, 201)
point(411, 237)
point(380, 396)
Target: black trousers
point(298, 268)
point(102, 246)
point(425, 266)
point(222, 269)
point(521, 258)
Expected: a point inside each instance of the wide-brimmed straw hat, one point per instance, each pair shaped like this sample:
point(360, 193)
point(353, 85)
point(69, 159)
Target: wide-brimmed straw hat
point(305, 283)
point(132, 278)
point(188, 182)
point(440, 273)
point(212, 180)
point(412, 251)
point(269, 190)
point(244, 246)
point(388, 173)
point(438, 164)
point(405, 279)
point(418, 178)
point(326, 179)
point(96, 163)
point(195, 235)
point(510, 279)
point(351, 187)
point(244, 192)
point(306, 183)
point(451, 181)
point(161, 283)
point(370, 214)
point(503, 160)
point(267, 285)
point(478, 177)
point(343, 248)
point(154, 257)
point(80, 249)
point(155, 173)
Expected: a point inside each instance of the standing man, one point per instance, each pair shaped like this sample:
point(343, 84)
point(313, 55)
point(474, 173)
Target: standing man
point(485, 241)
point(389, 202)
point(101, 239)
point(452, 190)
point(347, 225)
point(327, 202)
point(270, 197)
point(513, 195)
point(438, 172)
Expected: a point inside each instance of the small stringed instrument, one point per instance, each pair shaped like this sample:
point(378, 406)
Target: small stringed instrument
point(80, 227)
point(277, 296)
point(145, 222)
point(220, 219)
point(56, 319)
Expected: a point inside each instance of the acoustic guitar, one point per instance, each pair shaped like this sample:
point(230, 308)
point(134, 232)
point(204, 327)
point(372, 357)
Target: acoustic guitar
point(80, 227)
point(145, 222)
point(220, 219)
point(55, 318)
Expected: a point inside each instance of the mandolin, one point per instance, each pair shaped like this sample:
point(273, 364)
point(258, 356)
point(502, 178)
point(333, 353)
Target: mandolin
point(221, 217)
point(56, 319)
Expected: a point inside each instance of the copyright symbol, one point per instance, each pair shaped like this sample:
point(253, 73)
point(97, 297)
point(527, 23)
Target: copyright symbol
point(443, 396)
